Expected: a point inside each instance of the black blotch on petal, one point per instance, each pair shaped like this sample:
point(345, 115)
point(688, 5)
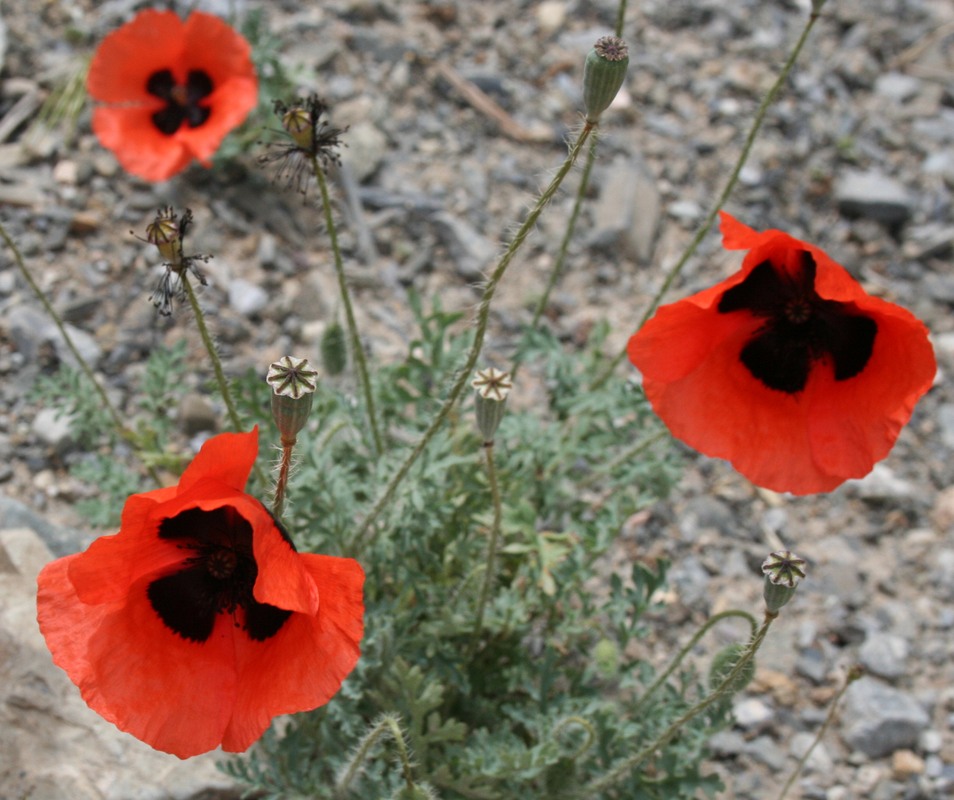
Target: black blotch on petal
point(168, 120)
point(262, 621)
point(182, 601)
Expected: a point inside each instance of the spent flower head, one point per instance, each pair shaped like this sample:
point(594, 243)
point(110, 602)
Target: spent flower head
point(311, 140)
point(167, 232)
point(604, 71)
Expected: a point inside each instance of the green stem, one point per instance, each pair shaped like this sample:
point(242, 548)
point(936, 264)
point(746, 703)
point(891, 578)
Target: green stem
point(620, 17)
point(713, 620)
point(492, 545)
point(357, 348)
point(723, 197)
point(365, 534)
point(220, 378)
point(557, 270)
point(71, 346)
point(850, 678)
point(625, 767)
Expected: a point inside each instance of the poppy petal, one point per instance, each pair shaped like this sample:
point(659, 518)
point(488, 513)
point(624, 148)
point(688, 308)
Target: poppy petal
point(138, 146)
point(227, 458)
point(306, 662)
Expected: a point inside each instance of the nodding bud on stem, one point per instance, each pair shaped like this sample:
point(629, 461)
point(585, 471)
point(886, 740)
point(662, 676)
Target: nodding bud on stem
point(783, 570)
point(603, 74)
point(293, 384)
point(492, 386)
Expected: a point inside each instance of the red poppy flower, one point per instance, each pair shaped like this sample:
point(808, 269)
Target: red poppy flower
point(174, 89)
point(787, 368)
point(198, 622)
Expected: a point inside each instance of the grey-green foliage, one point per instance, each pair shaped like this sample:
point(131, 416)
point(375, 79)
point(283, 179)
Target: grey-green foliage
point(524, 707)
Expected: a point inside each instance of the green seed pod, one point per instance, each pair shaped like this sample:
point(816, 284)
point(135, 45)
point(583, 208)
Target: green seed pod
point(603, 74)
point(492, 387)
point(783, 570)
point(722, 665)
point(334, 349)
point(293, 384)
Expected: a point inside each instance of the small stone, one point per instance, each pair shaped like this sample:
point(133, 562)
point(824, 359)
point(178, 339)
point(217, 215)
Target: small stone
point(884, 654)
point(551, 14)
point(764, 749)
point(247, 298)
point(873, 195)
point(366, 148)
point(879, 720)
point(196, 415)
point(930, 741)
point(54, 429)
point(66, 172)
point(751, 713)
point(897, 86)
point(905, 763)
point(883, 484)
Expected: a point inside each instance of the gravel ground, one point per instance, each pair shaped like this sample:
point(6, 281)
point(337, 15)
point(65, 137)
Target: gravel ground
point(857, 156)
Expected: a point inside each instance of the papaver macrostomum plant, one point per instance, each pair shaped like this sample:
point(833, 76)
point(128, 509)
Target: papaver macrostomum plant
point(199, 622)
point(788, 368)
point(171, 90)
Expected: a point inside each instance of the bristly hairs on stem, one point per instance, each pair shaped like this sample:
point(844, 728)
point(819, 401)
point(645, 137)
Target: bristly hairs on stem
point(733, 178)
point(114, 415)
point(387, 725)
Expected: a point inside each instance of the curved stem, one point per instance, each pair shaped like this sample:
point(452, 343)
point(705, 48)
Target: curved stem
point(357, 349)
point(71, 346)
point(714, 619)
point(620, 17)
point(387, 725)
point(726, 191)
point(626, 766)
point(365, 534)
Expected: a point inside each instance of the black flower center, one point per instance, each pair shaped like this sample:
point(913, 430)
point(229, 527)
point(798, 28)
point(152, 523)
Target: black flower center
point(217, 578)
point(799, 327)
point(182, 102)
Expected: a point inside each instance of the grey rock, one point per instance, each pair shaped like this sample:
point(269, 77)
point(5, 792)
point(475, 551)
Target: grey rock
point(812, 664)
point(52, 746)
point(628, 210)
point(247, 298)
point(471, 251)
point(873, 195)
point(726, 744)
point(196, 415)
point(61, 541)
point(883, 484)
point(751, 713)
point(884, 654)
point(879, 719)
point(820, 759)
point(897, 86)
point(945, 419)
point(764, 749)
point(366, 148)
point(54, 429)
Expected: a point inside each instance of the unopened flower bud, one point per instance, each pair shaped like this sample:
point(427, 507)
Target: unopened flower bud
point(293, 384)
point(334, 349)
point(783, 570)
point(492, 386)
point(603, 74)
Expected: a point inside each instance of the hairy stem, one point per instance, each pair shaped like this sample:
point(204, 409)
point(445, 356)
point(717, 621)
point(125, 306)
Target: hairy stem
point(387, 725)
point(726, 191)
point(357, 349)
point(366, 533)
